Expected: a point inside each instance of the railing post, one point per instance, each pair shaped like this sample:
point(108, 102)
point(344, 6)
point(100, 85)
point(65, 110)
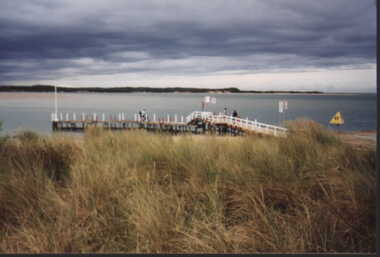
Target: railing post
point(181, 118)
point(168, 118)
point(175, 118)
point(74, 116)
point(67, 116)
point(154, 117)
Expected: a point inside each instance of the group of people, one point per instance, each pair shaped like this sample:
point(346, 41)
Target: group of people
point(143, 115)
point(234, 113)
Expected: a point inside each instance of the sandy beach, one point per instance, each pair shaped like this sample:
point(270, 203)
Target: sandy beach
point(360, 139)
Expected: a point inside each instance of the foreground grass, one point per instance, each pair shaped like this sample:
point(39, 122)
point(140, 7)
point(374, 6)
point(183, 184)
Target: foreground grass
point(146, 193)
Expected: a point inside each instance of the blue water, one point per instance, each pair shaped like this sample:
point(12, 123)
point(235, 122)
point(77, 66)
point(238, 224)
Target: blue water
point(20, 111)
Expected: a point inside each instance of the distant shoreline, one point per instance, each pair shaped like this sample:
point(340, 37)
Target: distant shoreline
point(50, 88)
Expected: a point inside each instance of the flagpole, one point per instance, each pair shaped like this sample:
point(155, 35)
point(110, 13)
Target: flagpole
point(55, 102)
point(278, 116)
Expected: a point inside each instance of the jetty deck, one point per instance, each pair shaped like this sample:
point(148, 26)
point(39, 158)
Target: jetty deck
point(197, 122)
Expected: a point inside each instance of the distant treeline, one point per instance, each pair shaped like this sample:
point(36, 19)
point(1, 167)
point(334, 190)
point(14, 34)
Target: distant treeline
point(50, 88)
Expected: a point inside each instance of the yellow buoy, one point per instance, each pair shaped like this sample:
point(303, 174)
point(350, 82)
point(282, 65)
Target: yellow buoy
point(337, 119)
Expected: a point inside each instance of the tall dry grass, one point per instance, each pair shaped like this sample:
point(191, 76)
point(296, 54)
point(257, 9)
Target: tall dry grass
point(146, 193)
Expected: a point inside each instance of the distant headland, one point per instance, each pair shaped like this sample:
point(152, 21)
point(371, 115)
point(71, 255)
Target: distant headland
point(50, 88)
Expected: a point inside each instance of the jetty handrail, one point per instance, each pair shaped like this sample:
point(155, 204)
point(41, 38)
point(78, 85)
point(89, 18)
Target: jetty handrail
point(242, 123)
point(198, 114)
point(245, 124)
point(235, 120)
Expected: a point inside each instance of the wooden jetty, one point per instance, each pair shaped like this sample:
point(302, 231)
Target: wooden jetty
point(197, 122)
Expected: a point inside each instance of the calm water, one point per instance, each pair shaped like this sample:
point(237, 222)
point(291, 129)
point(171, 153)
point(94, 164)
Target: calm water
point(32, 110)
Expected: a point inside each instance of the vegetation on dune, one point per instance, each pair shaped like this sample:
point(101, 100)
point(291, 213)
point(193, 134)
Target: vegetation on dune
point(148, 193)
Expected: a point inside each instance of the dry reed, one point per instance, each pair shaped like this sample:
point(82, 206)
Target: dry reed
point(138, 192)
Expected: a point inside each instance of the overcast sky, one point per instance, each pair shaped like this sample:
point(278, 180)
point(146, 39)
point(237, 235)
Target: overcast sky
point(327, 45)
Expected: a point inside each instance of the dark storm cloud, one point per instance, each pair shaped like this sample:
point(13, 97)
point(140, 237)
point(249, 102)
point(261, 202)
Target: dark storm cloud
point(53, 39)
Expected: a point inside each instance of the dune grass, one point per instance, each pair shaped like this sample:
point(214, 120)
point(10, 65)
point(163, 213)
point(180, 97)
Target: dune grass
point(139, 192)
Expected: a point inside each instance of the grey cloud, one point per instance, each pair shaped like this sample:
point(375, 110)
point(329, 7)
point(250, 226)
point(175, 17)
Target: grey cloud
point(184, 37)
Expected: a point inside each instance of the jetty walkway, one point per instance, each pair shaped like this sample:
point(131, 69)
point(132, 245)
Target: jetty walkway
point(197, 122)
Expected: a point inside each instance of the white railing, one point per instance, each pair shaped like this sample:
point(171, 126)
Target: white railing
point(249, 124)
point(239, 122)
point(120, 116)
point(208, 116)
point(199, 115)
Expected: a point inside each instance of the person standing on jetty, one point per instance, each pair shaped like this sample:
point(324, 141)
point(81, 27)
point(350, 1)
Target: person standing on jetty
point(143, 115)
point(234, 115)
point(225, 111)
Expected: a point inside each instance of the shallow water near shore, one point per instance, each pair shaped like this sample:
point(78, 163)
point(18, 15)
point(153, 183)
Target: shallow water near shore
point(32, 111)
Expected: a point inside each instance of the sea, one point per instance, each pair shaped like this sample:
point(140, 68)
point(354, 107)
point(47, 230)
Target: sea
point(32, 111)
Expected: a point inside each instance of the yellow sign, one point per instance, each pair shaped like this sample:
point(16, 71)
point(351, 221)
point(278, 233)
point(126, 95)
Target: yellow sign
point(337, 119)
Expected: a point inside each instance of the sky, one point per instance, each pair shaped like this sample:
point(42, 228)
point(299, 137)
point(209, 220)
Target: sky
point(326, 45)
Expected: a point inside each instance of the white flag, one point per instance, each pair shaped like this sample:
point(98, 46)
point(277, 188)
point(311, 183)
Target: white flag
point(280, 106)
point(285, 105)
point(213, 100)
point(207, 99)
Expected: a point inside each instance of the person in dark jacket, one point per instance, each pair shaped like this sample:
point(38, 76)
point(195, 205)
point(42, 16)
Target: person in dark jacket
point(234, 113)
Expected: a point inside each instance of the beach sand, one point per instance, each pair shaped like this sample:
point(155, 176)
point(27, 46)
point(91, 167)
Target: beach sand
point(360, 139)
